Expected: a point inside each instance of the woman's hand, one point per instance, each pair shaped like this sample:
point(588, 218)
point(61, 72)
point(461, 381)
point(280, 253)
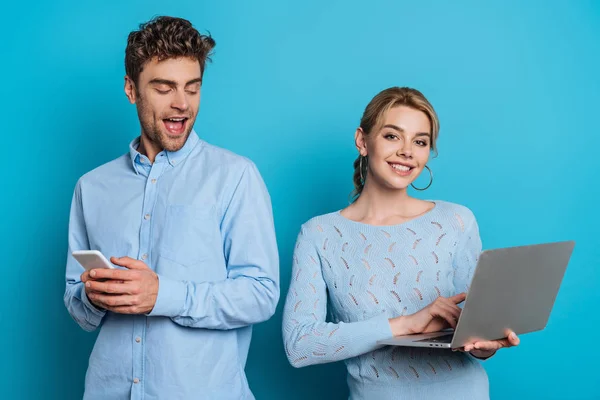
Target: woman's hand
point(441, 314)
point(487, 348)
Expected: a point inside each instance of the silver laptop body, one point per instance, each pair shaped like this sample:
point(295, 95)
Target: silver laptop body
point(512, 289)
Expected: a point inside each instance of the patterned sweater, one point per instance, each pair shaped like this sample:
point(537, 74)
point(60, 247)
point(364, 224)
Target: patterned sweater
point(349, 278)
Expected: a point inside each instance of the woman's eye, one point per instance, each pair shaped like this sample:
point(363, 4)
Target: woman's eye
point(389, 136)
point(421, 143)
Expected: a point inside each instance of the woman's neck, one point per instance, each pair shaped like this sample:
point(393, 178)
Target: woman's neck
point(378, 205)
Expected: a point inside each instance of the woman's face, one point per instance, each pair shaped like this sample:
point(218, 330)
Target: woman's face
point(398, 148)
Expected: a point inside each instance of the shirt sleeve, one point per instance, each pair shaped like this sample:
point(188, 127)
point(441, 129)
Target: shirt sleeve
point(467, 255)
point(250, 293)
point(79, 306)
point(308, 338)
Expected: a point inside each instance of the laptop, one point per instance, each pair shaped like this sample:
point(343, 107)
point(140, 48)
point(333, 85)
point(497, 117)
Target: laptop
point(512, 289)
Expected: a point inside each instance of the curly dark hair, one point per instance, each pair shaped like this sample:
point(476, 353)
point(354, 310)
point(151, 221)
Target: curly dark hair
point(165, 37)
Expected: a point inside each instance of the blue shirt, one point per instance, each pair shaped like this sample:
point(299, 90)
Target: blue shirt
point(201, 218)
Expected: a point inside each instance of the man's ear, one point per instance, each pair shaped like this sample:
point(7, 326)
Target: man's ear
point(130, 90)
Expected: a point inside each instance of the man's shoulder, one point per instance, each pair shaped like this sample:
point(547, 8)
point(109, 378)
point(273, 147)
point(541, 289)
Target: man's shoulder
point(108, 169)
point(221, 157)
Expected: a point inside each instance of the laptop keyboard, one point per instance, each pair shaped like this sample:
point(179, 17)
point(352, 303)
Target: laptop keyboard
point(440, 339)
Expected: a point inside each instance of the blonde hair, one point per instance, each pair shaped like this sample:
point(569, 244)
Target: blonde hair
point(375, 112)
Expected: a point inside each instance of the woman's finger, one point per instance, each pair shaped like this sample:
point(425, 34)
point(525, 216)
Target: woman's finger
point(441, 312)
point(451, 308)
point(489, 345)
point(458, 298)
point(513, 339)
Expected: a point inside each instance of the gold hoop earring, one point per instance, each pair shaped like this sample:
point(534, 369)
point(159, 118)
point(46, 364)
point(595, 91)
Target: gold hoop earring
point(360, 166)
point(430, 181)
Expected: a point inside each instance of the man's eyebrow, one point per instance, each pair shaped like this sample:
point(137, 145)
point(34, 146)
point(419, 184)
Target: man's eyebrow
point(160, 81)
point(196, 80)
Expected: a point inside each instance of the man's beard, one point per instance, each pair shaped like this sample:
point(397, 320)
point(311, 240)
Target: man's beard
point(158, 135)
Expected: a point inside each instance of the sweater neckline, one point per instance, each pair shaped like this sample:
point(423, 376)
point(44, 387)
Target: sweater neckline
point(428, 214)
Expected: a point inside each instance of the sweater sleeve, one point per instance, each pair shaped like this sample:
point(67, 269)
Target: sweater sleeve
point(308, 338)
point(467, 255)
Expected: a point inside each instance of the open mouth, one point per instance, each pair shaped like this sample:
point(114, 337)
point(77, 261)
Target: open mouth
point(175, 126)
point(401, 169)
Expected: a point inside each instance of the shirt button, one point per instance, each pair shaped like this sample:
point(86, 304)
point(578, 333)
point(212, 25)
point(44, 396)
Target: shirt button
point(153, 181)
point(136, 380)
point(147, 216)
point(144, 256)
point(138, 339)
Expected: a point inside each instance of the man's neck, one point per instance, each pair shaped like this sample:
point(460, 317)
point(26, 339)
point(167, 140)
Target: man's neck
point(148, 148)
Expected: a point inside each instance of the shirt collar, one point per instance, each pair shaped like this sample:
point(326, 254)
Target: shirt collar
point(173, 157)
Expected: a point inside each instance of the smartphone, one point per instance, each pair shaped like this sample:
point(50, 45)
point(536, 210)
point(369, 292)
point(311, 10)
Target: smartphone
point(90, 259)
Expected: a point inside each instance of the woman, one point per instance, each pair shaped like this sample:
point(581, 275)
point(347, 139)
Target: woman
point(388, 264)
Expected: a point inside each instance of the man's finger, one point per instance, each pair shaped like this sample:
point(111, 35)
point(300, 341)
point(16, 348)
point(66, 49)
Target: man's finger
point(110, 301)
point(111, 286)
point(128, 262)
point(125, 310)
point(115, 274)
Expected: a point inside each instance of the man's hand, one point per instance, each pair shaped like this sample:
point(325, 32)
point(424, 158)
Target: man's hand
point(131, 291)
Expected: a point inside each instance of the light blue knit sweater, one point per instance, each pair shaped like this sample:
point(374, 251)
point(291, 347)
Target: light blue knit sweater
point(349, 278)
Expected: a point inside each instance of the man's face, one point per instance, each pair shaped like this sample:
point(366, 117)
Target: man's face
point(167, 97)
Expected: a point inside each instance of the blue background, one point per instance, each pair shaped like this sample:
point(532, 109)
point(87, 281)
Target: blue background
point(516, 87)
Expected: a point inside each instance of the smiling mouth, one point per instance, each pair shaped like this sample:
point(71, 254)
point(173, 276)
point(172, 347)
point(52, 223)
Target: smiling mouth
point(175, 126)
point(400, 169)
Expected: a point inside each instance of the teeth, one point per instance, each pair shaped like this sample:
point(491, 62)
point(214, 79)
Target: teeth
point(400, 167)
point(176, 119)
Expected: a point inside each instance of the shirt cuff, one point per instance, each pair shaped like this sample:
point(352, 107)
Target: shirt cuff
point(171, 298)
point(97, 312)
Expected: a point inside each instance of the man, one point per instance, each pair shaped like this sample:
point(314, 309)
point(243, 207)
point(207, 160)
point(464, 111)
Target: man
point(190, 227)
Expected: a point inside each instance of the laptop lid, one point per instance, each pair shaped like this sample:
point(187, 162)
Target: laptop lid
point(512, 288)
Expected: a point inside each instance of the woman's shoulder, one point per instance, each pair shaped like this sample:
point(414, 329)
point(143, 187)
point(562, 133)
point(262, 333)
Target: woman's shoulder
point(462, 214)
point(319, 222)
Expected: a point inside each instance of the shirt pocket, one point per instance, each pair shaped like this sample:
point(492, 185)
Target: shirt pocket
point(191, 235)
